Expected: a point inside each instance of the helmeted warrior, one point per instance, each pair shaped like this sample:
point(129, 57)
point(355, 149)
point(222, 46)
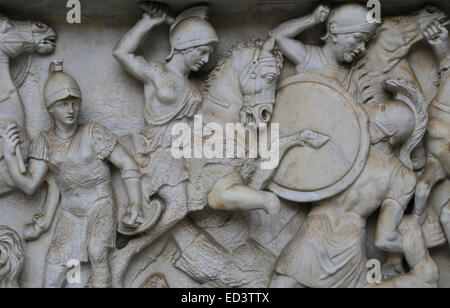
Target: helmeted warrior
point(170, 98)
point(329, 248)
point(190, 29)
point(78, 157)
point(348, 30)
point(17, 38)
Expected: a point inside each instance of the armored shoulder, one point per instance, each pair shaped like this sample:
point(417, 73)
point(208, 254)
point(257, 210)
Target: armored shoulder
point(40, 148)
point(103, 140)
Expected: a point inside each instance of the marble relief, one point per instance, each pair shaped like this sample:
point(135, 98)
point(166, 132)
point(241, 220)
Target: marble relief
point(271, 161)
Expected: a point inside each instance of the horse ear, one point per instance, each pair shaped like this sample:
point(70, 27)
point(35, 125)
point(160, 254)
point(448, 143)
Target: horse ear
point(5, 25)
point(269, 45)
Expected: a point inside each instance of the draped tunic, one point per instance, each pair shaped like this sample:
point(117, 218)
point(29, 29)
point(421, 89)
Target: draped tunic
point(153, 144)
point(84, 180)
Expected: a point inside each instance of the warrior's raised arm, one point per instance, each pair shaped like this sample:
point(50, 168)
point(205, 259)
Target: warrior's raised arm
point(285, 33)
point(124, 51)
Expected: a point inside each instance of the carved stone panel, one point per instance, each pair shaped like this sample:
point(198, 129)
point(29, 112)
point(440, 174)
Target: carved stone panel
point(236, 144)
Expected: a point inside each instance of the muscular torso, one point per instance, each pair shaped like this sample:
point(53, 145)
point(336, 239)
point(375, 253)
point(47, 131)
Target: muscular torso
point(368, 192)
point(315, 61)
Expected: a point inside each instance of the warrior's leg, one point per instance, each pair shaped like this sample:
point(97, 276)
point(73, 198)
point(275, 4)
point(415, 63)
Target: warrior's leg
point(98, 257)
point(424, 271)
point(176, 209)
point(283, 281)
point(55, 275)
point(231, 194)
point(433, 174)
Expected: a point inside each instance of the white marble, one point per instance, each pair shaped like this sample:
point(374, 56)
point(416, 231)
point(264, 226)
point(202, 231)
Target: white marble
point(363, 123)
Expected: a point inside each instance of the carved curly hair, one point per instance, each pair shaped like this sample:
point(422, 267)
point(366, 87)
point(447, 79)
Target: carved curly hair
point(11, 257)
point(254, 44)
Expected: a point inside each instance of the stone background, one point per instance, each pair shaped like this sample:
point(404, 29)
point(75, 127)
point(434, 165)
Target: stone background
point(114, 99)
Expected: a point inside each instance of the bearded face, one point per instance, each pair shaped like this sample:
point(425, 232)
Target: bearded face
point(351, 46)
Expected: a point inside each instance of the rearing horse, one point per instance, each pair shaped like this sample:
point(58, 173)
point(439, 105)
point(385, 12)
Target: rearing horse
point(241, 89)
point(16, 38)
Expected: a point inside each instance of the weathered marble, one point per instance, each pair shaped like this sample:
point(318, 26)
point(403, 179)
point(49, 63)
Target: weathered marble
point(216, 222)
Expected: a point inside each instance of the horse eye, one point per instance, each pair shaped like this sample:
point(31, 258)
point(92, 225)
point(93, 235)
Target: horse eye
point(270, 78)
point(431, 9)
point(40, 26)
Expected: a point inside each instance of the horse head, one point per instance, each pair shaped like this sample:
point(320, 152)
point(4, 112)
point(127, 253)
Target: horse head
point(258, 82)
point(17, 37)
point(242, 87)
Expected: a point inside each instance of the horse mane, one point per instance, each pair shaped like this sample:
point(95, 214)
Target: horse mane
point(247, 44)
point(394, 39)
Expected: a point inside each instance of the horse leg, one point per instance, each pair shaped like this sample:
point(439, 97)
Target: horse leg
point(416, 253)
point(231, 194)
point(262, 176)
point(176, 209)
point(424, 271)
point(433, 174)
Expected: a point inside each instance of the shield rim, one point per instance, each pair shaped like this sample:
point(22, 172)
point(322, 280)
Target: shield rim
point(360, 161)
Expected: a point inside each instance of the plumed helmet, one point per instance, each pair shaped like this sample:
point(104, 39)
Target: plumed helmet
point(191, 29)
point(59, 85)
point(350, 18)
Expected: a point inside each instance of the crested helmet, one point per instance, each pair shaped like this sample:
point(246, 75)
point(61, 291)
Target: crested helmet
point(191, 29)
point(60, 85)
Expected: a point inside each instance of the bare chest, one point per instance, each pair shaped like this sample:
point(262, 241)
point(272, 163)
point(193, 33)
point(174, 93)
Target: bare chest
point(370, 190)
point(166, 90)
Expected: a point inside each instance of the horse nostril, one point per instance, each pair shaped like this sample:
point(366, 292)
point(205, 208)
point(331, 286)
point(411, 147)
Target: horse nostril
point(266, 115)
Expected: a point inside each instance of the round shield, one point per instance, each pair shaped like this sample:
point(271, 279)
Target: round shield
point(334, 129)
